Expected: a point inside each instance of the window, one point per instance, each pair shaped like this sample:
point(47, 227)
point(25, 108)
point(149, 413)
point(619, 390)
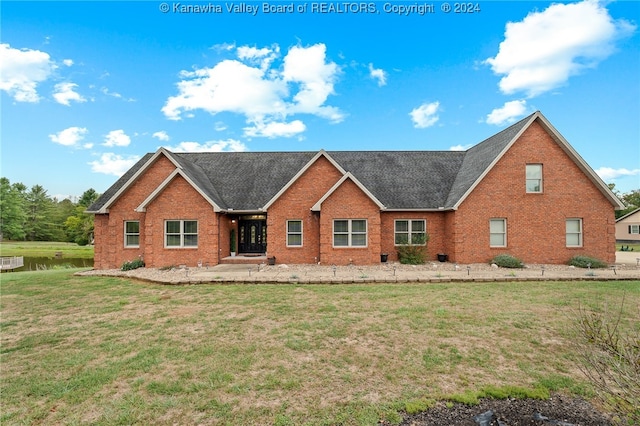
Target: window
point(132, 233)
point(574, 232)
point(294, 233)
point(350, 233)
point(534, 178)
point(498, 232)
point(181, 233)
point(412, 232)
point(634, 229)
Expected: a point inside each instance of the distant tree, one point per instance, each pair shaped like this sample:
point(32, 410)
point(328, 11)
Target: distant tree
point(62, 210)
point(39, 207)
point(631, 200)
point(79, 226)
point(88, 197)
point(12, 214)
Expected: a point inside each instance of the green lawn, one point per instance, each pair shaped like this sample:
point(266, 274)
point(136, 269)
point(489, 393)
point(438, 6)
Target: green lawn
point(97, 350)
point(45, 249)
point(634, 246)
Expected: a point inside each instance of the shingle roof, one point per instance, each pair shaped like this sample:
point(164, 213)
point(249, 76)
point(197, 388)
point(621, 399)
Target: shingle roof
point(478, 159)
point(400, 180)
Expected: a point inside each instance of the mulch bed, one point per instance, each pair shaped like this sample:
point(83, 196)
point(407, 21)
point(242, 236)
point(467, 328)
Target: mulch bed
point(559, 410)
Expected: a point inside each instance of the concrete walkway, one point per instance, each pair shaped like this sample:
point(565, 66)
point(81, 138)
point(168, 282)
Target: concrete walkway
point(626, 268)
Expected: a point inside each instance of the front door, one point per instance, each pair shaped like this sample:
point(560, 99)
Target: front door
point(253, 236)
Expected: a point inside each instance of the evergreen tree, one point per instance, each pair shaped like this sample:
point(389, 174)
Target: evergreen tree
point(12, 213)
point(39, 207)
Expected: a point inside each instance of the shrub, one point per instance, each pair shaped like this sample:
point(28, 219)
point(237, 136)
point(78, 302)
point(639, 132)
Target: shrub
point(608, 352)
point(134, 264)
point(414, 254)
point(507, 261)
point(586, 262)
point(82, 241)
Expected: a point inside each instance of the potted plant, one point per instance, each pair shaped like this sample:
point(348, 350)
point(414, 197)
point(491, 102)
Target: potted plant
point(232, 239)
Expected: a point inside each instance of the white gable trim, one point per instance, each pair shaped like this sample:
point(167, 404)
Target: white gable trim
point(143, 206)
point(565, 146)
point(136, 175)
point(582, 165)
point(628, 215)
point(317, 206)
point(321, 153)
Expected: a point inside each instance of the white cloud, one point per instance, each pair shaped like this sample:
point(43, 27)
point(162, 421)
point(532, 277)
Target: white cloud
point(543, 50)
point(426, 115)
point(275, 129)
point(21, 70)
point(71, 136)
point(116, 95)
point(263, 57)
point(378, 74)
point(608, 174)
point(265, 93)
point(509, 113)
point(460, 147)
point(161, 135)
point(67, 62)
point(113, 164)
point(229, 145)
point(64, 94)
point(117, 138)
point(307, 67)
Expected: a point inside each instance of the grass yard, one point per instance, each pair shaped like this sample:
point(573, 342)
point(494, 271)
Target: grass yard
point(97, 350)
point(634, 246)
point(45, 249)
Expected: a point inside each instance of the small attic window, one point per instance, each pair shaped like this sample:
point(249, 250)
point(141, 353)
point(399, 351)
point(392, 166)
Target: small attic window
point(534, 178)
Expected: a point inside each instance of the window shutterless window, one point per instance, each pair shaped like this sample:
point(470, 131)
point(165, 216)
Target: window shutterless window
point(574, 232)
point(412, 232)
point(534, 178)
point(350, 233)
point(181, 233)
point(132, 233)
point(498, 232)
point(294, 233)
point(634, 229)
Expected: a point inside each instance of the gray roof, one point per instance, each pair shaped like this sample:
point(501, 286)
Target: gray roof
point(400, 180)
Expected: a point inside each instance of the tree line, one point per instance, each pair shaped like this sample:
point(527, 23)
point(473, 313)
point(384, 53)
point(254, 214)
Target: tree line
point(30, 214)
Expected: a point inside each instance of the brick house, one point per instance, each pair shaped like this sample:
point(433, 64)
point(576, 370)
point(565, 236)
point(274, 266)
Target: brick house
point(524, 191)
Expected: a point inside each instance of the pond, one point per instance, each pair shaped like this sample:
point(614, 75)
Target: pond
point(42, 263)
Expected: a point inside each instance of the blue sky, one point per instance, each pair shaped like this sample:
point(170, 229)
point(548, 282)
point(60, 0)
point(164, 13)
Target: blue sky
point(87, 88)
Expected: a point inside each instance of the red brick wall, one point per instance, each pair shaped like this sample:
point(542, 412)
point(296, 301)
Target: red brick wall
point(178, 201)
point(535, 222)
point(295, 204)
point(436, 230)
point(109, 228)
point(349, 202)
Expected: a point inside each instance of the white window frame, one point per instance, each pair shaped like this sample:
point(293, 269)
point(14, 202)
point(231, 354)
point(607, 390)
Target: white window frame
point(182, 234)
point(573, 233)
point(295, 233)
point(494, 232)
point(410, 232)
point(536, 180)
point(350, 233)
point(131, 234)
point(634, 229)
